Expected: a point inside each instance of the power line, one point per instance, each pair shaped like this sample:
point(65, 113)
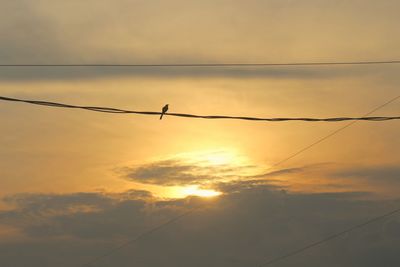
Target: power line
point(251, 64)
point(138, 238)
point(336, 131)
point(312, 245)
point(153, 113)
point(175, 219)
point(329, 238)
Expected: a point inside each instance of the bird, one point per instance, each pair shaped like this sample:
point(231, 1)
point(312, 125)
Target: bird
point(164, 110)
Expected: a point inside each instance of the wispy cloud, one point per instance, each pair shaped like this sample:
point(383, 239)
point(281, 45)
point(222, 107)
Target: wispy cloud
point(185, 171)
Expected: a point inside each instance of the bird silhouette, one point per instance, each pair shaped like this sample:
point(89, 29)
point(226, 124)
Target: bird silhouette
point(164, 110)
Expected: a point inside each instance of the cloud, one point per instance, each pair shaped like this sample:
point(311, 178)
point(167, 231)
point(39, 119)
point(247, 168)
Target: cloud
point(379, 179)
point(168, 172)
point(29, 74)
point(240, 228)
point(281, 172)
point(375, 175)
point(144, 32)
point(174, 172)
point(55, 215)
point(28, 34)
point(184, 172)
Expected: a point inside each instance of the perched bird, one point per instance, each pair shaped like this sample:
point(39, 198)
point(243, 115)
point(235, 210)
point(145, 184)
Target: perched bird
point(164, 110)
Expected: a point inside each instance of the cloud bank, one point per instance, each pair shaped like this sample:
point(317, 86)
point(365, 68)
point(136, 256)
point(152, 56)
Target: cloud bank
point(243, 227)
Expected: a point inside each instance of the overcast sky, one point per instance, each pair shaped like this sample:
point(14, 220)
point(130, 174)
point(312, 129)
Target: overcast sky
point(75, 184)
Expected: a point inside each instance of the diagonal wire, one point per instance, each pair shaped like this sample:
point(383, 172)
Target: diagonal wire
point(329, 238)
point(153, 113)
point(138, 238)
point(336, 131)
point(336, 235)
point(181, 216)
point(114, 110)
point(233, 64)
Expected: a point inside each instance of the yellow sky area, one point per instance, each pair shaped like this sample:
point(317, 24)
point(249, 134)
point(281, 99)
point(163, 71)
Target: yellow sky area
point(55, 150)
point(168, 192)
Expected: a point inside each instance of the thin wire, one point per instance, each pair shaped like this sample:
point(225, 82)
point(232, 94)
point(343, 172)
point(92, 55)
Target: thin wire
point(312, 245)
point(261, 64)
point(153, 113)
point(114, 110)
point(329, 238)
point(113, 251)
point(138, 238)
point(337, 131)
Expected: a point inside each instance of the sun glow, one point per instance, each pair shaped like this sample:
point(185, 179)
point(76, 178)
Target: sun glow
point(213, 158)
point(220, 159)
point(194, 173)
point(194, 190)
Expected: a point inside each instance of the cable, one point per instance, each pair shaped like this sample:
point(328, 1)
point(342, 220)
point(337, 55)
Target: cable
point(337, 131)
point(329, 238)
point(141, 236)
point(153, 113)
point(261, 64)
point(300, 250)
point(138, 238)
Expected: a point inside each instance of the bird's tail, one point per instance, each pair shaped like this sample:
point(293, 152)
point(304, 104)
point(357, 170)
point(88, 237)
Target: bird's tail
point(161, 116)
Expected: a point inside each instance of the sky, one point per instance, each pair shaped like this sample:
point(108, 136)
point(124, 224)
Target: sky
point(76, 184)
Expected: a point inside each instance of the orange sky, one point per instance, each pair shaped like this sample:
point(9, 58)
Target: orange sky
point(75, 183)
point(53, 150)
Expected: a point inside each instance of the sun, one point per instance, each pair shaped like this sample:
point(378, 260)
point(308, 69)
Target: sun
point(214, 157)
point(194, 190)
point(200, 170)
point(219, 159)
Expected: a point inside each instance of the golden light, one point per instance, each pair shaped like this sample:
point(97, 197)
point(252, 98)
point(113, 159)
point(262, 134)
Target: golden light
point(213, 158)
point(194, 190)
point(220, 159)
point(205, 167)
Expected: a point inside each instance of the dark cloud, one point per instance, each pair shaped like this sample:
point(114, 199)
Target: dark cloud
point(384, 180)
point(27, 36)
point(180, 172)
point(168, 172)
point(280, 172)
point(50, 215)
point(28, 74)
point(374, 175)
point(240, 228)
point(90, 32)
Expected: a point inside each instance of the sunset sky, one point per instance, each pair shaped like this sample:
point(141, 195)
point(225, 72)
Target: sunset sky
point(76, 184)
